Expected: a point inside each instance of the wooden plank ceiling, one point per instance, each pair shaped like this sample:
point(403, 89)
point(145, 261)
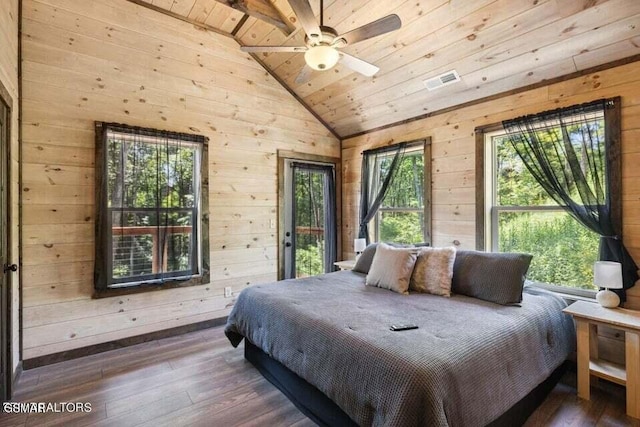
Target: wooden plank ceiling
point(495, 45)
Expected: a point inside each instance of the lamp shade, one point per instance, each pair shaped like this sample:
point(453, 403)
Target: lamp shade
point(359, 245)
point(321, 57)
point(607, 274)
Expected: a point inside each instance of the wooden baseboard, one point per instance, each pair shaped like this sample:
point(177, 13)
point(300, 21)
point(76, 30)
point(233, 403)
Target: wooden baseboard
point(17, 373)
point(76, 353)
point(16, 377)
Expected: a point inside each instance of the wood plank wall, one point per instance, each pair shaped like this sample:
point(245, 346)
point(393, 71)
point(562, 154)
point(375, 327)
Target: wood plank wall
point(453, 164)
point(87, 60)
point(9, 78)
point(453, 158)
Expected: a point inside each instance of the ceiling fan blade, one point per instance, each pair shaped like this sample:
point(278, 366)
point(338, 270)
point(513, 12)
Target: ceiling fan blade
point(273, 48)
point(356, 64)
point(307, 19)
point(373, 29)
point(305, 75)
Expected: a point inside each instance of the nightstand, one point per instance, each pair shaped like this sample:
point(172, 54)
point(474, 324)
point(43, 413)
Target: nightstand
point(345, 265)
point(588, 317)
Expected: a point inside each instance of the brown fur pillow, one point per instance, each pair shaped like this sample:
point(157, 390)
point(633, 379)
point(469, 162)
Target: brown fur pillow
point(433, 271)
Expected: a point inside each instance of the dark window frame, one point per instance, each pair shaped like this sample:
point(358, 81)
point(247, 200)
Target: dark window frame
point(414, 145)
point(613, 135)
point(103, 283)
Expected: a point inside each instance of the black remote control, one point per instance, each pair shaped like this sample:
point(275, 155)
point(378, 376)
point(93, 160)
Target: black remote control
point(403, 327)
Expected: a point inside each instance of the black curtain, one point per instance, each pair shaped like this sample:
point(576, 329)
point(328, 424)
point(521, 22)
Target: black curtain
point(375, 180)
point(330, 223)
point(574, 154)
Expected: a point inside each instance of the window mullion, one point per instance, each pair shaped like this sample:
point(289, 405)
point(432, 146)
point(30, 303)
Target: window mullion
point(419, 210)
point(529, 208)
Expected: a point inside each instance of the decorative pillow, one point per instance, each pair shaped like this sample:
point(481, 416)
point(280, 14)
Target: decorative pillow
point(433, 271)
point(491, 276)
point(363, 263)
point(391, 268)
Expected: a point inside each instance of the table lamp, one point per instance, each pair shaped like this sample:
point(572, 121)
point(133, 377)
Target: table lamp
point(358, 246)
point(607, 275)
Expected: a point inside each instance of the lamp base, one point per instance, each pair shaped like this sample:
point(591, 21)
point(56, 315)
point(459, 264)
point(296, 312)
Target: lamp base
point(608, 299)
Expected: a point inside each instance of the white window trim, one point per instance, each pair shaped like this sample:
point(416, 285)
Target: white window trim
point(491, 214)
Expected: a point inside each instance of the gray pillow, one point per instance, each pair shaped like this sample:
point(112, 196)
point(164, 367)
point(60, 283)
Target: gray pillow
point(363, 263)
point(490, 276)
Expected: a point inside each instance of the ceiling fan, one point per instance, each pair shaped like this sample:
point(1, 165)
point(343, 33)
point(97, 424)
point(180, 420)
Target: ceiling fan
point(323, 43)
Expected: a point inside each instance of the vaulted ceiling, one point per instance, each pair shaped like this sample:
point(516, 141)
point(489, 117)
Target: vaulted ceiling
point(495, 45)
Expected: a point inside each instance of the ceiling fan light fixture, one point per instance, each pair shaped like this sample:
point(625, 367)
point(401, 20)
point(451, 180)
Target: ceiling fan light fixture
point(323, 43)
point(321, 57)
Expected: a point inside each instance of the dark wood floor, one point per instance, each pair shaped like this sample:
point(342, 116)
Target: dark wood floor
point(199, 379)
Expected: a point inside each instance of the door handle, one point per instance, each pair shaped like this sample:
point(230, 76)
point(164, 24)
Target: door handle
point(10, 267)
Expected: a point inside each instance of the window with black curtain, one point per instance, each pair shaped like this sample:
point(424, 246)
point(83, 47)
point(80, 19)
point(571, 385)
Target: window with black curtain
point(552, 188)
point(401, 215)
point(152, 209)
point(395, 202)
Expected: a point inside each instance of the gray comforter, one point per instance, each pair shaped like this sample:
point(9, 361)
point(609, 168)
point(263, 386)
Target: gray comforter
point(468, 362)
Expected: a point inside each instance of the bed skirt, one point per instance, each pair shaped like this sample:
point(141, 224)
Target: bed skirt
point(324, 412)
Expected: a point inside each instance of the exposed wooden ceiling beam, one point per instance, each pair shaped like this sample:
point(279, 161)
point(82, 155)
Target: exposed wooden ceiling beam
point(180, 17)
point(264, 10)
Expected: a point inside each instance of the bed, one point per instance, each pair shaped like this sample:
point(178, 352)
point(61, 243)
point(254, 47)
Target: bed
point(468, 363)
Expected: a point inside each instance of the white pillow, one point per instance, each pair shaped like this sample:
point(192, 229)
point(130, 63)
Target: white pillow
point(433, 271)
point(391, 268)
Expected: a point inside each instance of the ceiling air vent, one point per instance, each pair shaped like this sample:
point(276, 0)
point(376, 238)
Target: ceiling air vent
point(442, 80)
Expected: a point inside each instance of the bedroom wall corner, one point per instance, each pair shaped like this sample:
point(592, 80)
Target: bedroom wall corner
point(453, 164)
point(453, 155)
point(9, 15)
point(87, 60)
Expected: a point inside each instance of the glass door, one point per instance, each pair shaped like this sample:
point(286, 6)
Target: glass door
point(310, 238)
point(4, 279)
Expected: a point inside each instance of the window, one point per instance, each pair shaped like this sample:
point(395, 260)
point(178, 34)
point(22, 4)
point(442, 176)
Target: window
point(152, 208)
point(521, 217)
point(401, 216)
